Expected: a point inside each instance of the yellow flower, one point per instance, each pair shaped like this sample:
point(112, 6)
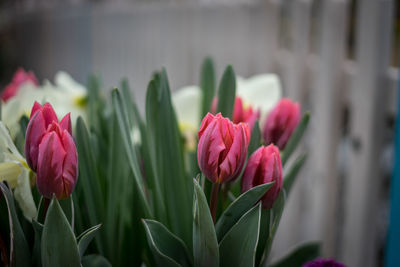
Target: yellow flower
point(15, 171)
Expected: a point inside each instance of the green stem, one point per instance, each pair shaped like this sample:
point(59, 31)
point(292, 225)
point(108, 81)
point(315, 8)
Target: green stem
point(46, 203)
point(214, 200)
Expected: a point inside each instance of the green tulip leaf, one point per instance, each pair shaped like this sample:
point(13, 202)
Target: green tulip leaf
point(205, 245)
point(227, 92)
point(59, 247)
point(238, 247)
point(89, 177)
point(239, 207)
point(264, 234)
point(300, 255)
point(133, 161)
point(36, 252)
point(207, 84)
point(276, 214)
point(268, 231)
point(86, 237)
point(295, 138)
point(94, 260)
point(290, 177)
point(255, 139)
point(67, 206)
point(167, 156)
point(19, 249)
point(166, 247)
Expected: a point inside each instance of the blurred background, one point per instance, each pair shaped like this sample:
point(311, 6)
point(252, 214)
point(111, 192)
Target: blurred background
point(339, 58)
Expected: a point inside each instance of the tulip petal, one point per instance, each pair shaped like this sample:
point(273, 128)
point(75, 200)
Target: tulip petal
point(70, 166)
point(49, 114)
point(233, 163)
point(34, 134)
point(209, 148)
point(65, 123)
point(251, 169)
point(50, 166)
point(36, 107)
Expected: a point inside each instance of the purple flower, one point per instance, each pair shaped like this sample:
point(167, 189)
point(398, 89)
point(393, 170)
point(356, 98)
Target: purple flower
point(323, 263)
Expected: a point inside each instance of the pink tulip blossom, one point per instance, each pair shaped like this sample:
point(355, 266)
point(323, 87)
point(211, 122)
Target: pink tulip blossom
point(20, 77)
point(222, 148)
point(281, 122)
point(264, 166)
point(241, 112)
point(51, 152)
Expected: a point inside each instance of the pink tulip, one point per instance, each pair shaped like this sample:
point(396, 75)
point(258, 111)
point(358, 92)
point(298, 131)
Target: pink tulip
point(222, 148)
point(51, 152)
point(57, 169)
point(281, 122)
point(264, 166)
point(20, 77)
point(241, 112)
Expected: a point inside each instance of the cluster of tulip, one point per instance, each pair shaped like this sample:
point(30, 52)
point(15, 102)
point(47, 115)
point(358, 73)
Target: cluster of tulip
point(222, 148)
point(136, 179)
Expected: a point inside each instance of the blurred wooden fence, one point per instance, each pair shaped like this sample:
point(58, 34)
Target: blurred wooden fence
point(340, 195)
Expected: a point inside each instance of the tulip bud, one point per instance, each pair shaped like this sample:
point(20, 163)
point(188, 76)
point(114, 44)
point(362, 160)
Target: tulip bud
point(241, 112)
point(20, 77)
point(57, 163)
point(281, 122)
point(222, 148)
point(41, 117)
point(51, 152)
point(264, 166)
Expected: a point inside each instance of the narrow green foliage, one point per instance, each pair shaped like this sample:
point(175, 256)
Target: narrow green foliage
point(59, 247)
point(295, 138)
point(133, 161)
point(207, 84)
point(239, 207)
point(255, 139)
point(37, 243)
point(21, 255)
point(95, 102)
point(300, 255)
point(167, 156)
point(166, 247)
point(290, 177)
point(89, 178)
point(95, 261)
point(238, 247)
point(276, 214)
point(264, 235)
point(227, 92)
point(205, 245)
point(86, 237)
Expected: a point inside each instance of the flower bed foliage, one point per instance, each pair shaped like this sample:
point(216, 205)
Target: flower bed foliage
point(111, 186)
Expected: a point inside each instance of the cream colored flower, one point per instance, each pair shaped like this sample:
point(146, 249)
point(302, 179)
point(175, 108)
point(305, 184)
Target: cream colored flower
point(261, 92)
point(15, 171)
point(65, 96)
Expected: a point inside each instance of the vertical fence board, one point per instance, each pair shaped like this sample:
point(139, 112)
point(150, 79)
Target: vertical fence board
point(300, 44)
point(293, 64)
point(367, 118)
point(327, 105)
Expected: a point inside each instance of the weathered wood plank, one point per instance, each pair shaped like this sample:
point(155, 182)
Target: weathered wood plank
point(368, 105)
